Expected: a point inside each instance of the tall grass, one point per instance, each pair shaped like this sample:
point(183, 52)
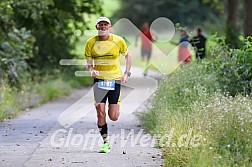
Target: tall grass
point(190, 103)
point(8, 104)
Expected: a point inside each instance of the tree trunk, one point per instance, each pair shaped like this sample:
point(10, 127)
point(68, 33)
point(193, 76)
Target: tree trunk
point(247, 18)
point(232, 12)
point(232, 30)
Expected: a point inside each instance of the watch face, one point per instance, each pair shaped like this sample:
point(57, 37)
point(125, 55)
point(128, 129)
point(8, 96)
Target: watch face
point(128, 73)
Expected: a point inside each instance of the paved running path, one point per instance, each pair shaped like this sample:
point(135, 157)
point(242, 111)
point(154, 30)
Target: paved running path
point(36, 138)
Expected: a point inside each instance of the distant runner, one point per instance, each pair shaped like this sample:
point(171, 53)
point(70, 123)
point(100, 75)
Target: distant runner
point(103, 61)
point(146, 47)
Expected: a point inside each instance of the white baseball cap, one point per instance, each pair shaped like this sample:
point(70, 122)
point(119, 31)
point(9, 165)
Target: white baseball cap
point(103, 19)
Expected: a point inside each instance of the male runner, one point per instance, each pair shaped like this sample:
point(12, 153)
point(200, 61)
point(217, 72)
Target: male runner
point(103, 61)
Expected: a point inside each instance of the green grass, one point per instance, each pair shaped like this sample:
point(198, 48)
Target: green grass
point(9, 105)
point(31, 94)
point(190, 99)
point(53, 89)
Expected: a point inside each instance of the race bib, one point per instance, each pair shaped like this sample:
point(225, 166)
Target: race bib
point(106, 84)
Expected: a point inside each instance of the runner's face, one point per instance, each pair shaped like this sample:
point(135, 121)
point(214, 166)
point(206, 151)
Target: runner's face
point(103, 28)
point(182, 33)
point(146, 26)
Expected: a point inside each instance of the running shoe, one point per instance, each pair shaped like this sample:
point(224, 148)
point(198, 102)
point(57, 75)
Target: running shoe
point(105, 147)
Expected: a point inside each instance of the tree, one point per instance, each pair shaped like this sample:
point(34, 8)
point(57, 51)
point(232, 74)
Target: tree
point(247, 18)
point(36, 34)
point(53, 23)
point(188, 13)
point(16, 45)
point(232, 31)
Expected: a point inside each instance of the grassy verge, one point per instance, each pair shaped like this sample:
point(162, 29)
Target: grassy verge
point(197, 124)
point(32, 94)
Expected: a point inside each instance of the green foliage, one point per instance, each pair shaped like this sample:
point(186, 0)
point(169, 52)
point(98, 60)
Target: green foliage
point(36, 34)
point(232, 38)
point(233, 66)
point(217, 4)
point(14, 52)
point(16, 45)
point(187, 13)
point(53, 24)
point(8, 103)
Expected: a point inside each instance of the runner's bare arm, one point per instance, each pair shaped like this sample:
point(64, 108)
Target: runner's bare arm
point(93, 72)
point(128, 66)
point(128, 61)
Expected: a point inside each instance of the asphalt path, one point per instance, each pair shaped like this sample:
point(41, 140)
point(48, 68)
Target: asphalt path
point(64, 132)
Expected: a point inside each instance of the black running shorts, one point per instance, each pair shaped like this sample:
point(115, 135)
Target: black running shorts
point(113, 96)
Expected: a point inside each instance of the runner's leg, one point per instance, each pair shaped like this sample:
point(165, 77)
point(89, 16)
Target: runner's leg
point(103, 128)
point(101, 116)
point(114, 98)
point(113, 111)
point(100, 96)
point(142, 54)
point(148, 53)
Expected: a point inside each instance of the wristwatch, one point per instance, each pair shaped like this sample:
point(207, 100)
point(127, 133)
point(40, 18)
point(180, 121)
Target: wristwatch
point(128, 73)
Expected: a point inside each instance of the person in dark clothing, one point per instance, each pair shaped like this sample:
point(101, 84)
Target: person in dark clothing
point(199, 43)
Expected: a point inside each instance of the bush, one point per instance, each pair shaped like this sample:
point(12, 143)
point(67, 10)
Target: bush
point(14, 52)
point(233, 67)
point(36, 35)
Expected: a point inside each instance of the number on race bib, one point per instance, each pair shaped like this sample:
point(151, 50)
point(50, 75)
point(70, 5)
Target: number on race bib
point(106, 84)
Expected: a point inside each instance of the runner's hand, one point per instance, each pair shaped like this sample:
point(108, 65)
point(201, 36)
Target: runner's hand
point(94, 73)
point(124, 78)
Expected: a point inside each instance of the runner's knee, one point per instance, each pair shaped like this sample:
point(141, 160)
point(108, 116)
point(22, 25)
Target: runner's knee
point(113, 113)
point(114, 117)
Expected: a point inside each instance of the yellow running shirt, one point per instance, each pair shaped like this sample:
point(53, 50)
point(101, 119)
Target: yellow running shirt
point(106, 55)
